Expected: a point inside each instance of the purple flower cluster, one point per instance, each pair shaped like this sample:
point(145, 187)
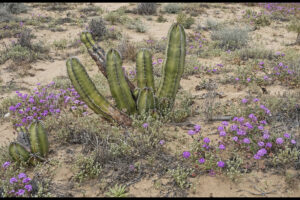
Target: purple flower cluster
point(20, 184)
point(196, 129)
point(286, 9)
point(44, 101)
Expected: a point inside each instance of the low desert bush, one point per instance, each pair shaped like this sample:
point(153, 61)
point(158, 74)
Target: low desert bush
point(146, 8)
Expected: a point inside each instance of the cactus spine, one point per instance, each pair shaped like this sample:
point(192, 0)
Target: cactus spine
point(173, 65)
point(117, 83)
point(90, 95)
point(18, 152)
point(38, 139)
point(144, 69)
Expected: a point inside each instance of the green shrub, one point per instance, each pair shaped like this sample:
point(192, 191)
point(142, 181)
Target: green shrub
point(295, 27)
point(161, 19)
point(231, 38)
point(146, 8)
point(255, 53)
point(97, 28)
point(172, 8)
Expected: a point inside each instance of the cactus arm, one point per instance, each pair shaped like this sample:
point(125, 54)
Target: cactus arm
point(97, 53)
point(90, 103)
point(117, 83)
point(144, 69)
point(38, 139)
point(88, 91)
point(18, 152)
point(173, 65)
point(145, 101)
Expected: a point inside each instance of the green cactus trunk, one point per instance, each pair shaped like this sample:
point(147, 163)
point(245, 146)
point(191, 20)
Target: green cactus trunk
point(97, 53)
point(173, 66)
point(90, 95)
point(117, 83)
point(38, 139)
point(145, 101)
point(144, 69)
point(18, 152)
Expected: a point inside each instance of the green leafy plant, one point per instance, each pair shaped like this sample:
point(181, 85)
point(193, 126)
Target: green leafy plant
point(129, 99)
point(117, 191)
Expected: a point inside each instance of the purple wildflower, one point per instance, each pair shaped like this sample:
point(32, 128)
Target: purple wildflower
point(279, 140)
point(13, 180)
point(246, 140)
point(222, 133)
point(206, 140)
point(186, 154)
point(244, 100)
point(222, 146)
point(145, 125)
point(6, 164)
point(191, 132)
point(22, 175)
point(221, 164)
point(20, 192)
point(201, 160)
point(261, 143)
point(28, 188)
point(235, 138)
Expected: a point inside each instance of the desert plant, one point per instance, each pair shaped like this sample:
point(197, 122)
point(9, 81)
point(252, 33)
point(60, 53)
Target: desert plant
point(172, 8)
point(231, 38)
point(97, 28)
point(161, 19)
point(128, 98)
point(25, 38)
point(146, 8)
point(38, 141)
point(295, 27)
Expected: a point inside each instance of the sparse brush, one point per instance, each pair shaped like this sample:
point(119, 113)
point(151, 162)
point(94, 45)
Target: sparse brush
point(127, 49)
point(146, 8)
point(231, 38)
point(98, 28)
point(295, 27)
point(25, 38)
point(172, 8)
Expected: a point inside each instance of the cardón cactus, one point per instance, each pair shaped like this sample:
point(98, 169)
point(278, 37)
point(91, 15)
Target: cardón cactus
point(127, 97)
point(117, 83)
point(173, 66)
point(39, 146)
point(38, 139)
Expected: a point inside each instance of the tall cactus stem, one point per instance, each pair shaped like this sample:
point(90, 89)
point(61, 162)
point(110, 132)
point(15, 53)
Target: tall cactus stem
point(144, 69)
point(173, 66)
point(98, 55)
point(119, 88)
point(38, 139)
point(90, 95)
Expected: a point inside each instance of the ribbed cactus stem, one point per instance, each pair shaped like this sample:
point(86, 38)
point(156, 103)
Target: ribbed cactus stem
point(119, 88)
point(146, 100)
point(98, 55)
point(91, 96)
point(18, 152)
point(144, 69)
point(173, 65)
point(38, 139)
